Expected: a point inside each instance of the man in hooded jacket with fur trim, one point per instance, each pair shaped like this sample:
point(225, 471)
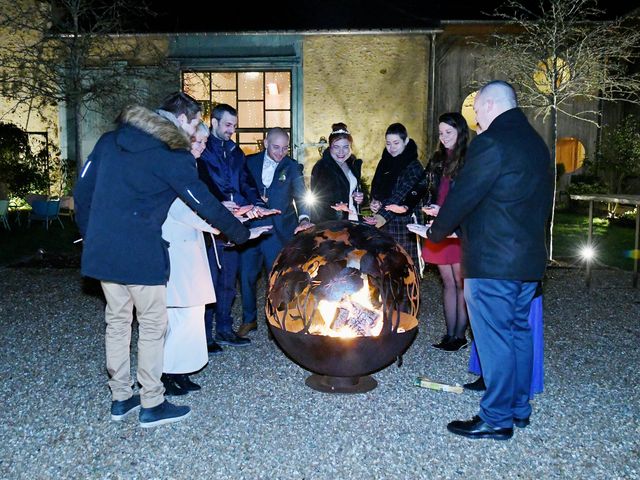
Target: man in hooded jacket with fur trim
point(122, 197)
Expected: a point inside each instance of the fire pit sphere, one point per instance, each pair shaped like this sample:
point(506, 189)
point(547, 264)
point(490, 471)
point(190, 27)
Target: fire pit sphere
point(343, 301)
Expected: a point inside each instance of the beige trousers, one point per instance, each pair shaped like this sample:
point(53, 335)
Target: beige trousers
point(150, 302)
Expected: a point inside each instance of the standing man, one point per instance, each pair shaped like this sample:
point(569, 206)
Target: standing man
point(281, 184)
point(222, 167)
point(501, 200)
point(122, 198)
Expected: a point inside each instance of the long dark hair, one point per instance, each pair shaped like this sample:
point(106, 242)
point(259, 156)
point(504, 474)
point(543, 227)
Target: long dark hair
point(443, 162)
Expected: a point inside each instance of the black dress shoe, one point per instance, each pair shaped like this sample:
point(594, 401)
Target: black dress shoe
point(521, 422)
point(185, 383)
point(171, 388)
point(477, 385)
point(231, 339)
point(213, 348)
point(443, 342)
point(478, 428)
point(455, 344)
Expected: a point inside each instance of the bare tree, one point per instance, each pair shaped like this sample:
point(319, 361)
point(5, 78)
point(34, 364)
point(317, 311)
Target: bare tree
point(562, 54)
point(73, 53)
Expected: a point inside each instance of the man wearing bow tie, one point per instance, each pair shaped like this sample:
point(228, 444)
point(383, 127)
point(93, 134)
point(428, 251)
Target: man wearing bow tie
point(281, 185)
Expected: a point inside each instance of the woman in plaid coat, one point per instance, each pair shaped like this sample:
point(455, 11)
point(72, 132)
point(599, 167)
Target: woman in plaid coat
point(397, 172)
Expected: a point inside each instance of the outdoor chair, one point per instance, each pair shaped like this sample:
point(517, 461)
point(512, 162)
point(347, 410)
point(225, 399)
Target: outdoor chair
point(32, 197)
point(66, 206)
point(4, 210)
point(45, 211)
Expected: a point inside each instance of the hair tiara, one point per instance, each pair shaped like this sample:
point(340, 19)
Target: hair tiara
point(342, 130)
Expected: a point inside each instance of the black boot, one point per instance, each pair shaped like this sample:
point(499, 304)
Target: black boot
point(171, 388)
point(185, 383)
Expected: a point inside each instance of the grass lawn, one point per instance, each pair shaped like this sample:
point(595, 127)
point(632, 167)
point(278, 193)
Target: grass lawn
point(613, 243)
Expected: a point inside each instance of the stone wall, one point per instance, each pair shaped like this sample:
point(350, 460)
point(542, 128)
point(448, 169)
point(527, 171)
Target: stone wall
point(367, 82)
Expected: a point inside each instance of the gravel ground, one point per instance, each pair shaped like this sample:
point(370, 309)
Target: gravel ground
point(256, 419)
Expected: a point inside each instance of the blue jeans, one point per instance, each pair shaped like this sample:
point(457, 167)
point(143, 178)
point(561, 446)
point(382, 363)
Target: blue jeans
point(499, 313)
point(224, 282)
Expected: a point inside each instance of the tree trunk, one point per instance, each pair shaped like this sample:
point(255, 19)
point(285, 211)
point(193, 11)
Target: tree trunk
point(77, 136)
point(554, 140)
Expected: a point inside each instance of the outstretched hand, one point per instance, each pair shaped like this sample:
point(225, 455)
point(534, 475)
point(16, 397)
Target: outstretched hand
point(257, 231)
point(302, 226)
point(418, 229)
point(253, 211)
point(342, 207)
point(399, 209)
point(431, 210)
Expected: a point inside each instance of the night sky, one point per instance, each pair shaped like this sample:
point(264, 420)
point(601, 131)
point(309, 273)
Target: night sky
point(212, 16)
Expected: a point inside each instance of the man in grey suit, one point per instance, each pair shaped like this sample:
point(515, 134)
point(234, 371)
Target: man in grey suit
point(501, 201)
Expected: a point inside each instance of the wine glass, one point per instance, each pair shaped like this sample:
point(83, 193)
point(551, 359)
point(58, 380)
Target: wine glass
point(229, 243)
point(357, 193)
point(265, 197)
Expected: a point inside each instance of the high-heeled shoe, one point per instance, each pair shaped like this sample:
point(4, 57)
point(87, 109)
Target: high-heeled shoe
point(443, 342)
point(185, 383)
point(455, 344)
point(171, 388)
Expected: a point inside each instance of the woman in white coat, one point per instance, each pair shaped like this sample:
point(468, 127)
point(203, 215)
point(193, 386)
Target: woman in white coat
point(189, 289)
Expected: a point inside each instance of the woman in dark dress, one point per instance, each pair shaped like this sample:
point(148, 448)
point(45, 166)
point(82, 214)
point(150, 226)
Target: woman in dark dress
point(439, 178)
point(397, 172)
point(335, 180)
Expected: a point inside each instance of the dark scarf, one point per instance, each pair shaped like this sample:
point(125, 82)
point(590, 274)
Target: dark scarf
point(390, 168)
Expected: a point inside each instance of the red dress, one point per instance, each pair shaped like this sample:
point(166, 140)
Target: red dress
point(448, 251)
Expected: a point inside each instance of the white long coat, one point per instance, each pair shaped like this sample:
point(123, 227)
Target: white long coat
point(190, 278)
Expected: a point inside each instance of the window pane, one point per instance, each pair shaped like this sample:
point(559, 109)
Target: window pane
point(206, 112)
point(249, 149)
point(225, 97)
point(250, 114)
point(278, 94)
point(250, 141)
point(278, 119)
point(223, 80)
point(197, 85)
point(250, 86)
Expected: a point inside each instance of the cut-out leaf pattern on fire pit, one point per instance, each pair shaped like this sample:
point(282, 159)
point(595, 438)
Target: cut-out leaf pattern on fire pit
point(341, 279)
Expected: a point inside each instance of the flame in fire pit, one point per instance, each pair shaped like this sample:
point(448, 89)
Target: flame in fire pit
point(353, 316)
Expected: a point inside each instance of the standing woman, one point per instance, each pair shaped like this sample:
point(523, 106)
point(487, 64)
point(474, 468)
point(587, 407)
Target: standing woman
point(442, 170)
point(189, 289)
point(397, 172)
point(335, 179)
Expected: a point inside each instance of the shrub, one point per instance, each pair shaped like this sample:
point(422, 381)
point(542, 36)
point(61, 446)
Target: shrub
point(21, 170)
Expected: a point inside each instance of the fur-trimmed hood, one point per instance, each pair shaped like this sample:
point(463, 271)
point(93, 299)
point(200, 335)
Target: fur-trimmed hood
point(152, 124)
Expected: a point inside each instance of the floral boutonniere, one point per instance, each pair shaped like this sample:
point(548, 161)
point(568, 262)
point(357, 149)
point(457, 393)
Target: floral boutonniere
point(282, 177)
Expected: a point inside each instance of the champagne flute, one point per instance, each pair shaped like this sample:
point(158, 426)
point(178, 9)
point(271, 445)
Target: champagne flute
point(265, 197)
point(357, 193)
point(229, 243)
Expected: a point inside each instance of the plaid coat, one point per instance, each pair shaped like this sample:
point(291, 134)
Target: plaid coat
point(396, 224)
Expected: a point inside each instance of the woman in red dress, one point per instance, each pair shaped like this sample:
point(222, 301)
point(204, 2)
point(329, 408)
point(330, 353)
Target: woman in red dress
point(441, 172)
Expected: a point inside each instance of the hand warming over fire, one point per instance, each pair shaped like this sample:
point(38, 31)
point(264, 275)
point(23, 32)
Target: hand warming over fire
point(431, 210)
point(302, 226)
point(375, 220)
point(399, 209)
point(256, 212)
point(257, 231)
point(419, 229)
point(342, 207)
